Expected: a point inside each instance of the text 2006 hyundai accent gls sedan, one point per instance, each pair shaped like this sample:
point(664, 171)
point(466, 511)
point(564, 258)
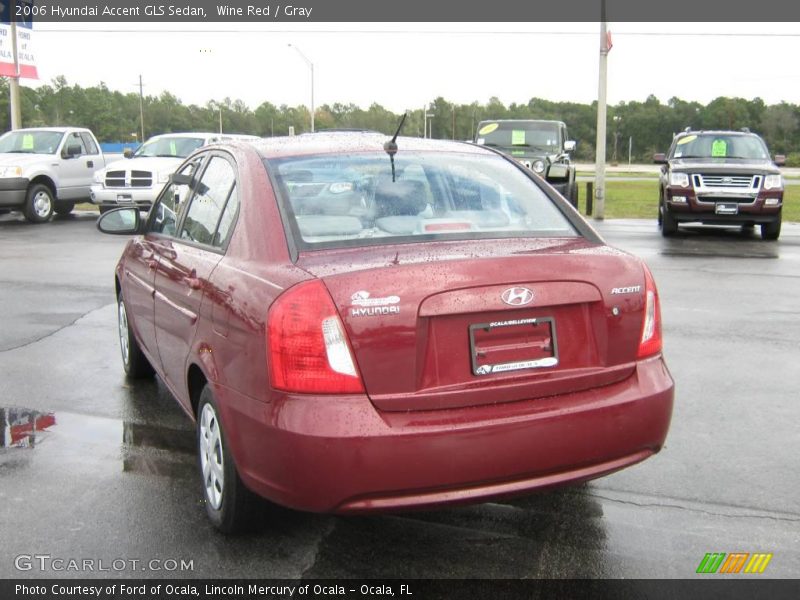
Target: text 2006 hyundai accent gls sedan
point(362, 325)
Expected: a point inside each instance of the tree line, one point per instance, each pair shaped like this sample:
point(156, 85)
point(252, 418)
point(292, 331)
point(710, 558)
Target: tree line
point(643, 127)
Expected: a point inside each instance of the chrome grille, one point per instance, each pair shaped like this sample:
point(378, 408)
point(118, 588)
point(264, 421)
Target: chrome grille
point(727, 181)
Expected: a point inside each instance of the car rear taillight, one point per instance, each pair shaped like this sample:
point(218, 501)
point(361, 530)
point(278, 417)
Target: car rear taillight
point(308, 348)
point(650, 342)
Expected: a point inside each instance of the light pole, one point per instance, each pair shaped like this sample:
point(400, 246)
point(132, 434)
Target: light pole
point(212, 104)
point(310, 66)
point(429, 124)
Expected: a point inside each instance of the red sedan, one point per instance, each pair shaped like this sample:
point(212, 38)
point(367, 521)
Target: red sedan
point(359, 325)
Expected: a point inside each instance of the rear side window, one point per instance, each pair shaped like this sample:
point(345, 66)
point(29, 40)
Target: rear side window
point(208, 204)
point(88, 142)
point(347, 200)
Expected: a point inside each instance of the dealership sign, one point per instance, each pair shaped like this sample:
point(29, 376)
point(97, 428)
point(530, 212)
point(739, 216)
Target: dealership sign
point(22, 12)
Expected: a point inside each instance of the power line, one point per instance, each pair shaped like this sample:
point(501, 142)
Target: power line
point(617, 34)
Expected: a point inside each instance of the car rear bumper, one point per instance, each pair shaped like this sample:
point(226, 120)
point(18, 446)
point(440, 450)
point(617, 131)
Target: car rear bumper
point(340, 454)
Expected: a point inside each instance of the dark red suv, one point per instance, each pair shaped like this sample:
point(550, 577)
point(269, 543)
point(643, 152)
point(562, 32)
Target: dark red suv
point(358, 327)
point(720, 178)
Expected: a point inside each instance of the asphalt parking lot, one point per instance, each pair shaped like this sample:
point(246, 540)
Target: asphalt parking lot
point(111, 473)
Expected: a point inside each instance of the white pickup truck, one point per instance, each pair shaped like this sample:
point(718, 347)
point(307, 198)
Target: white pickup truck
point(46, 170)
point(138, 179)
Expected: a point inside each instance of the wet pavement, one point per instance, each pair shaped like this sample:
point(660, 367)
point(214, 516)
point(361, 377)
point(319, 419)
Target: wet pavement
point(95, 467)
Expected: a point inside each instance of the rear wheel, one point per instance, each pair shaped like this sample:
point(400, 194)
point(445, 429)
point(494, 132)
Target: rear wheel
point(64, 208)
point(771, 231)
point(39, 203)
point(134, 361)
point(669, 226)
point(228, 503)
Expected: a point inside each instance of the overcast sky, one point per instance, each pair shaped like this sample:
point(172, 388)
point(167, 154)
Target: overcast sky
point(404, 65)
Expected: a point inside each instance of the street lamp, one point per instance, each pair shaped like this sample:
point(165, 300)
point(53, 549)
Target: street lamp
point(310, 66)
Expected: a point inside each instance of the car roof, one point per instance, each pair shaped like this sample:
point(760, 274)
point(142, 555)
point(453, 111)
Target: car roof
point(343, 142)
point(716, 132)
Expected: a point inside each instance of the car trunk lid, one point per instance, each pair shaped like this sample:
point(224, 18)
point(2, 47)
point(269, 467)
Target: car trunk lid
point(452, 325)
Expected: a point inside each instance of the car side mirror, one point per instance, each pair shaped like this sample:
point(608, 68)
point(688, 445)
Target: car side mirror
point(569, 146)
point(660, 158)
point(127, 153)
point(780, 160)
point(121, 221)
point(71, 151)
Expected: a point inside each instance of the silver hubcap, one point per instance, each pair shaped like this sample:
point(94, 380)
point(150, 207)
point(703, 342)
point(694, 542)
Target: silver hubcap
point(123, 332)
point(211, 460)
point(42, 205)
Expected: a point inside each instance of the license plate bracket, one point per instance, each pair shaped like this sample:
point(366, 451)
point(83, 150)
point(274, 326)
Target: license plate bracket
point(726, 208)
point(513, 345)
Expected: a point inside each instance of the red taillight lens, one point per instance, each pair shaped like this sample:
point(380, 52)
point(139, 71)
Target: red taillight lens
point(307, 345)
point(650, 342)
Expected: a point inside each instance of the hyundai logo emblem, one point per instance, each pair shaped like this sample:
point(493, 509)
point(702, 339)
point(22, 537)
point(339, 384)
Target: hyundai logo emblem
point(517, 296)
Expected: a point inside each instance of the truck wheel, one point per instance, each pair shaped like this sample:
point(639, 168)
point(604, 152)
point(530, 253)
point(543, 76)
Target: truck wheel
point(39, 204)
point(771, 231)
point(669, 226)
point(64, 208)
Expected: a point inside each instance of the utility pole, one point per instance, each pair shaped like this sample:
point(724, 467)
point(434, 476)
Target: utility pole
point(13, 82)
point(310, 66)
point(141, 107)
point(600, 150)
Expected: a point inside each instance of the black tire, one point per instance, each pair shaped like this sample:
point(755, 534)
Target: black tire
point(39, 203)
point(771, 231)
point(669, 226)
point(64, 208)
point(229, 504)
point(134, 361)
point(573, 194)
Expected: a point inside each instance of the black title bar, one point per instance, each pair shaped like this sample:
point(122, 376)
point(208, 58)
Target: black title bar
point(465, 11)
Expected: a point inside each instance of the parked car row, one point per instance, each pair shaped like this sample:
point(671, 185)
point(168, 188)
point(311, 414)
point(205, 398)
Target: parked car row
point(709, 177)
point(360, 324)
point(47, 170)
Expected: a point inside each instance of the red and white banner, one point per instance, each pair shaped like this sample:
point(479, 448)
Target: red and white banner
point(25, 57)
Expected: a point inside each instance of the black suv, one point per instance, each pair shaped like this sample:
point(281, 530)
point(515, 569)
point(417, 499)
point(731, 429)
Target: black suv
point(720, 178)
point(542, 146)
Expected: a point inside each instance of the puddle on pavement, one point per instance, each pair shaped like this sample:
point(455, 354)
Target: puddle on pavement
point(142, 447)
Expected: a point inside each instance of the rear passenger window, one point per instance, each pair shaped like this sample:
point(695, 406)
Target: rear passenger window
point(207, 207)
point(228, 219)
point(88, 142)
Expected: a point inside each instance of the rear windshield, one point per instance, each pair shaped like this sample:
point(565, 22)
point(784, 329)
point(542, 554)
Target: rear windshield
point(720, 145)
point(541, 136)
point(350, 200)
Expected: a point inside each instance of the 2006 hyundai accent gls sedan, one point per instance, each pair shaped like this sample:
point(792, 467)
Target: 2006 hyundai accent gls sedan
point(360, 324)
